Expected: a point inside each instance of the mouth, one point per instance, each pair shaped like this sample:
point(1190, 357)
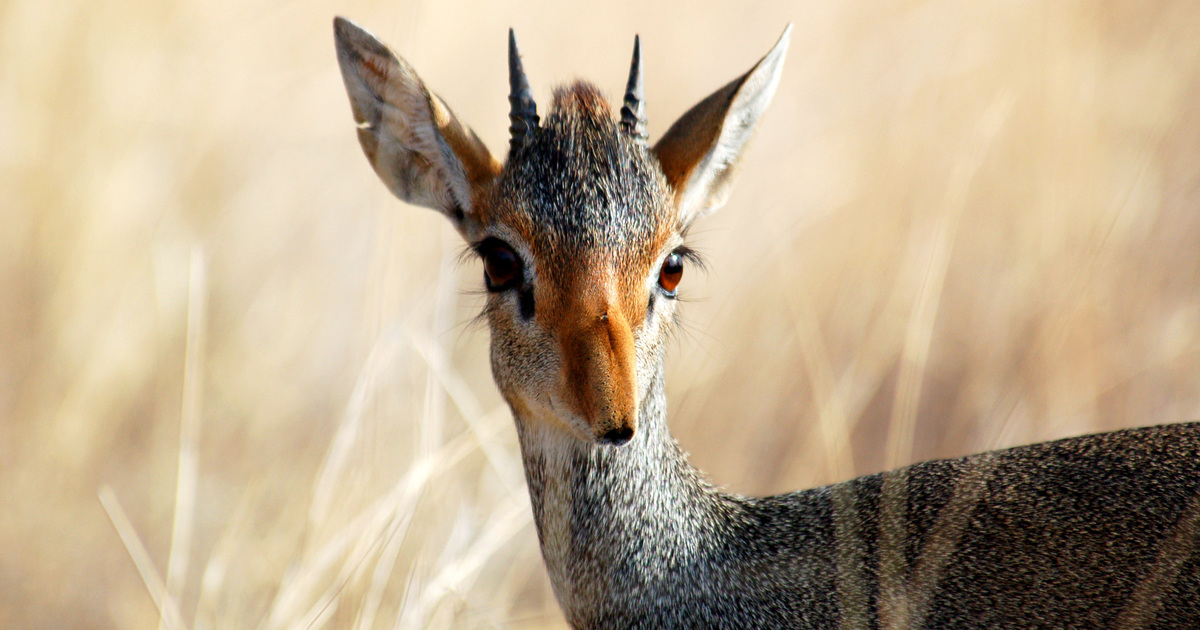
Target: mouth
point(574, 425)
point(582, 429)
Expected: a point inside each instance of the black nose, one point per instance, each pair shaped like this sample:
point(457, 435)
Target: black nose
point(617, 437)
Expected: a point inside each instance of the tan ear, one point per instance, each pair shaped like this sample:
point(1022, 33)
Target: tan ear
point(418, 148)
point(700, 152)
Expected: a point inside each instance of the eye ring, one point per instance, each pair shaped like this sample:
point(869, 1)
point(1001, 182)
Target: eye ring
point(502, 267)
point(671, 273)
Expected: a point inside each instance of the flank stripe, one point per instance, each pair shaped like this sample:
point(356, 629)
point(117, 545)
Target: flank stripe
point(1174, 550)
point(851, 559)
point(946, 534)
point(893, 567)
point(904, 599)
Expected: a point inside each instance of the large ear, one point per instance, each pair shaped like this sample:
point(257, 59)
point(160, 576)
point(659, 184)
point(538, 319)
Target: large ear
point(418, 148)
point(700, 152)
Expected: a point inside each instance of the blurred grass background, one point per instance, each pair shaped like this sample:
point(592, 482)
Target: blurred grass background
point(228, 355)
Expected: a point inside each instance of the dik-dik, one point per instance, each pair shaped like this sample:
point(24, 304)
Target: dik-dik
point(582, 233)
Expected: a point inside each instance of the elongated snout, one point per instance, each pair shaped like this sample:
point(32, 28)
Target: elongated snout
point(600, 364)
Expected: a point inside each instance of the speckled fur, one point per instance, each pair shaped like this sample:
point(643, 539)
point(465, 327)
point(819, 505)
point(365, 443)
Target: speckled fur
point(634, 537)
point(1090, 532)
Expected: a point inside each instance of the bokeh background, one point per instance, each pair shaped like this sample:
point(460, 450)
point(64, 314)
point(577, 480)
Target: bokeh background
point(238, 383)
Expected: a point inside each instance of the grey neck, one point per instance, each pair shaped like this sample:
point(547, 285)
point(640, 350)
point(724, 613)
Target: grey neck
point(617, 520)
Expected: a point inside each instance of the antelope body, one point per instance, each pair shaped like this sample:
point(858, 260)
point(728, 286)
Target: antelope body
point(581, 234)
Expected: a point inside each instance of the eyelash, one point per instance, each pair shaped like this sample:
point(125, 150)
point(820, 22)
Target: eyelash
point(684, 254)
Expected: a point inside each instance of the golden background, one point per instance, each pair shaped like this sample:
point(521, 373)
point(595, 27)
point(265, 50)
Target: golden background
point(238, 378)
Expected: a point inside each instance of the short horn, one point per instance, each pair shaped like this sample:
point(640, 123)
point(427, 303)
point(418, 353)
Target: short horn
point(633, 113)
point(523, 113)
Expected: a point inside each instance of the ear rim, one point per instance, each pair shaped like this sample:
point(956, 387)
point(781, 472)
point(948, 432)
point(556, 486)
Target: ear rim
point(413, 141)
point(701, 152)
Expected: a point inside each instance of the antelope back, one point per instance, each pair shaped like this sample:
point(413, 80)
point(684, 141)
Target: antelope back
point(1097, 531)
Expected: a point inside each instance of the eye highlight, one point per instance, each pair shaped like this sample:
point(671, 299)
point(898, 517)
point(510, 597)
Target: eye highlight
point(671, 273)
point(502, 268)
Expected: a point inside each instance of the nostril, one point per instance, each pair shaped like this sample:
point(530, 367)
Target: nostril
point(618, 437)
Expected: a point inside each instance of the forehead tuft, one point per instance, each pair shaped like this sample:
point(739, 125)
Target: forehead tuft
point(582, 100)
point(582, 186)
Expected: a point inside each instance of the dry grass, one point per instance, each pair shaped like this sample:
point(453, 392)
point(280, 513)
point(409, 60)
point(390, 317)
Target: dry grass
point(235, 377)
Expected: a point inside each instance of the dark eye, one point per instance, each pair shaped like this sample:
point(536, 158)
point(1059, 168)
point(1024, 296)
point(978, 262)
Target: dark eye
point(671, 273)
point(501, 265)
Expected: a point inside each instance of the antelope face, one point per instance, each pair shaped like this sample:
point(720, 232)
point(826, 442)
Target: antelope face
point(579, 233)
point(574, 241)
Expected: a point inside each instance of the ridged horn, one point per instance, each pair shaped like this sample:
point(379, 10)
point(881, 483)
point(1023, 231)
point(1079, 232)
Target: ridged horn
point(633, 112)
point(523, 112)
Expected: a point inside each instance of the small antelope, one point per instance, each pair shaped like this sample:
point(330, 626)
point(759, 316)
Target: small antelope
point(582, 236)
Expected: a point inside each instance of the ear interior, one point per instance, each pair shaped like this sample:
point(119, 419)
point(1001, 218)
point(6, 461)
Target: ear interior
point(414, 142)
point(701, 151)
